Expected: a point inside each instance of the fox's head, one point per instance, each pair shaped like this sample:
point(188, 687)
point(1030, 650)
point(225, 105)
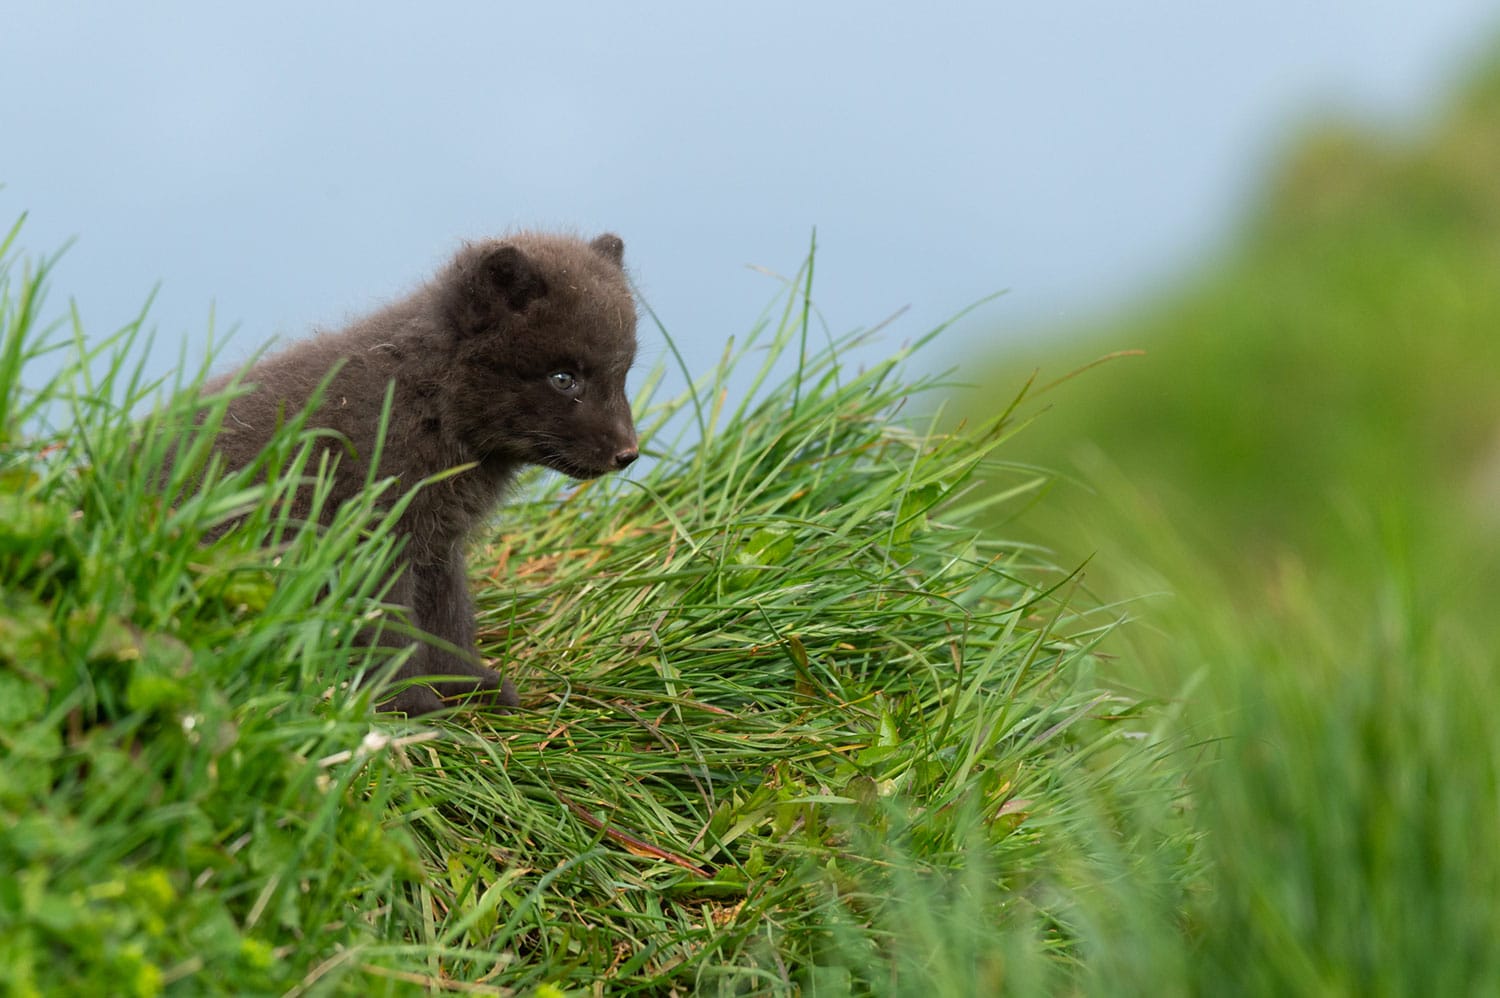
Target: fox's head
point(544, 336)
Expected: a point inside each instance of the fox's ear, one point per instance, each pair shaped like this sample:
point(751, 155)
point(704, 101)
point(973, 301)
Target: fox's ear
point(489, 283)
point(611, 247)
point(509, 274)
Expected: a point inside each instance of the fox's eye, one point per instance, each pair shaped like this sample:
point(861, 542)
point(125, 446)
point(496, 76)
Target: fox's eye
point(563, 381)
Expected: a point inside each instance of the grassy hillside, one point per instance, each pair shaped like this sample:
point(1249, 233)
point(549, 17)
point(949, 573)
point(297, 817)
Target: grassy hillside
point(789, 722)
point(792, 721)
point(1303, 468)
point(1341, 364)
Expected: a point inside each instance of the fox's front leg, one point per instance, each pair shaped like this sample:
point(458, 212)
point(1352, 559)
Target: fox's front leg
point(413, 698)
point(442, 607)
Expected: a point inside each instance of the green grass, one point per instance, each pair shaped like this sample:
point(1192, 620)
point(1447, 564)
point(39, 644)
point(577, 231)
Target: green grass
point(790, 722)
point(1296, 469)
point(1341, 762)
point(171, 794)
point(1350, 848)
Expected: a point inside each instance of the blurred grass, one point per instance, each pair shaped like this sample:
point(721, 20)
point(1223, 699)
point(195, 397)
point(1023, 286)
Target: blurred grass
point(1339, 365)
point(1302, 468)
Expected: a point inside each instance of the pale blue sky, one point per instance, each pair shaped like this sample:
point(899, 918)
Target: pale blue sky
point(292, 164)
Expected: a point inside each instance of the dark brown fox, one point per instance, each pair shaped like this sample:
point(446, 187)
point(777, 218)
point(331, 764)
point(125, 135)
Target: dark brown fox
point(515, 353)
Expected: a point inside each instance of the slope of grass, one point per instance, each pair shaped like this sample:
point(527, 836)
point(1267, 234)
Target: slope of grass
point(1343, 772)
point(1348, 817)
point(1343, 358)
point(1297, 466)
point(789, 722)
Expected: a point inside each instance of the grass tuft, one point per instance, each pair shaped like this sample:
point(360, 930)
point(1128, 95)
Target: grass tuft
point(789, 721)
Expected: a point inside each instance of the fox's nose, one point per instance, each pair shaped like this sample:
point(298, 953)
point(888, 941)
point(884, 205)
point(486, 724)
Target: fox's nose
point(626, 457)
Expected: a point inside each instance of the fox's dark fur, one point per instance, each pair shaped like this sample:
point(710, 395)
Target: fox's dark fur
point(515, 353)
